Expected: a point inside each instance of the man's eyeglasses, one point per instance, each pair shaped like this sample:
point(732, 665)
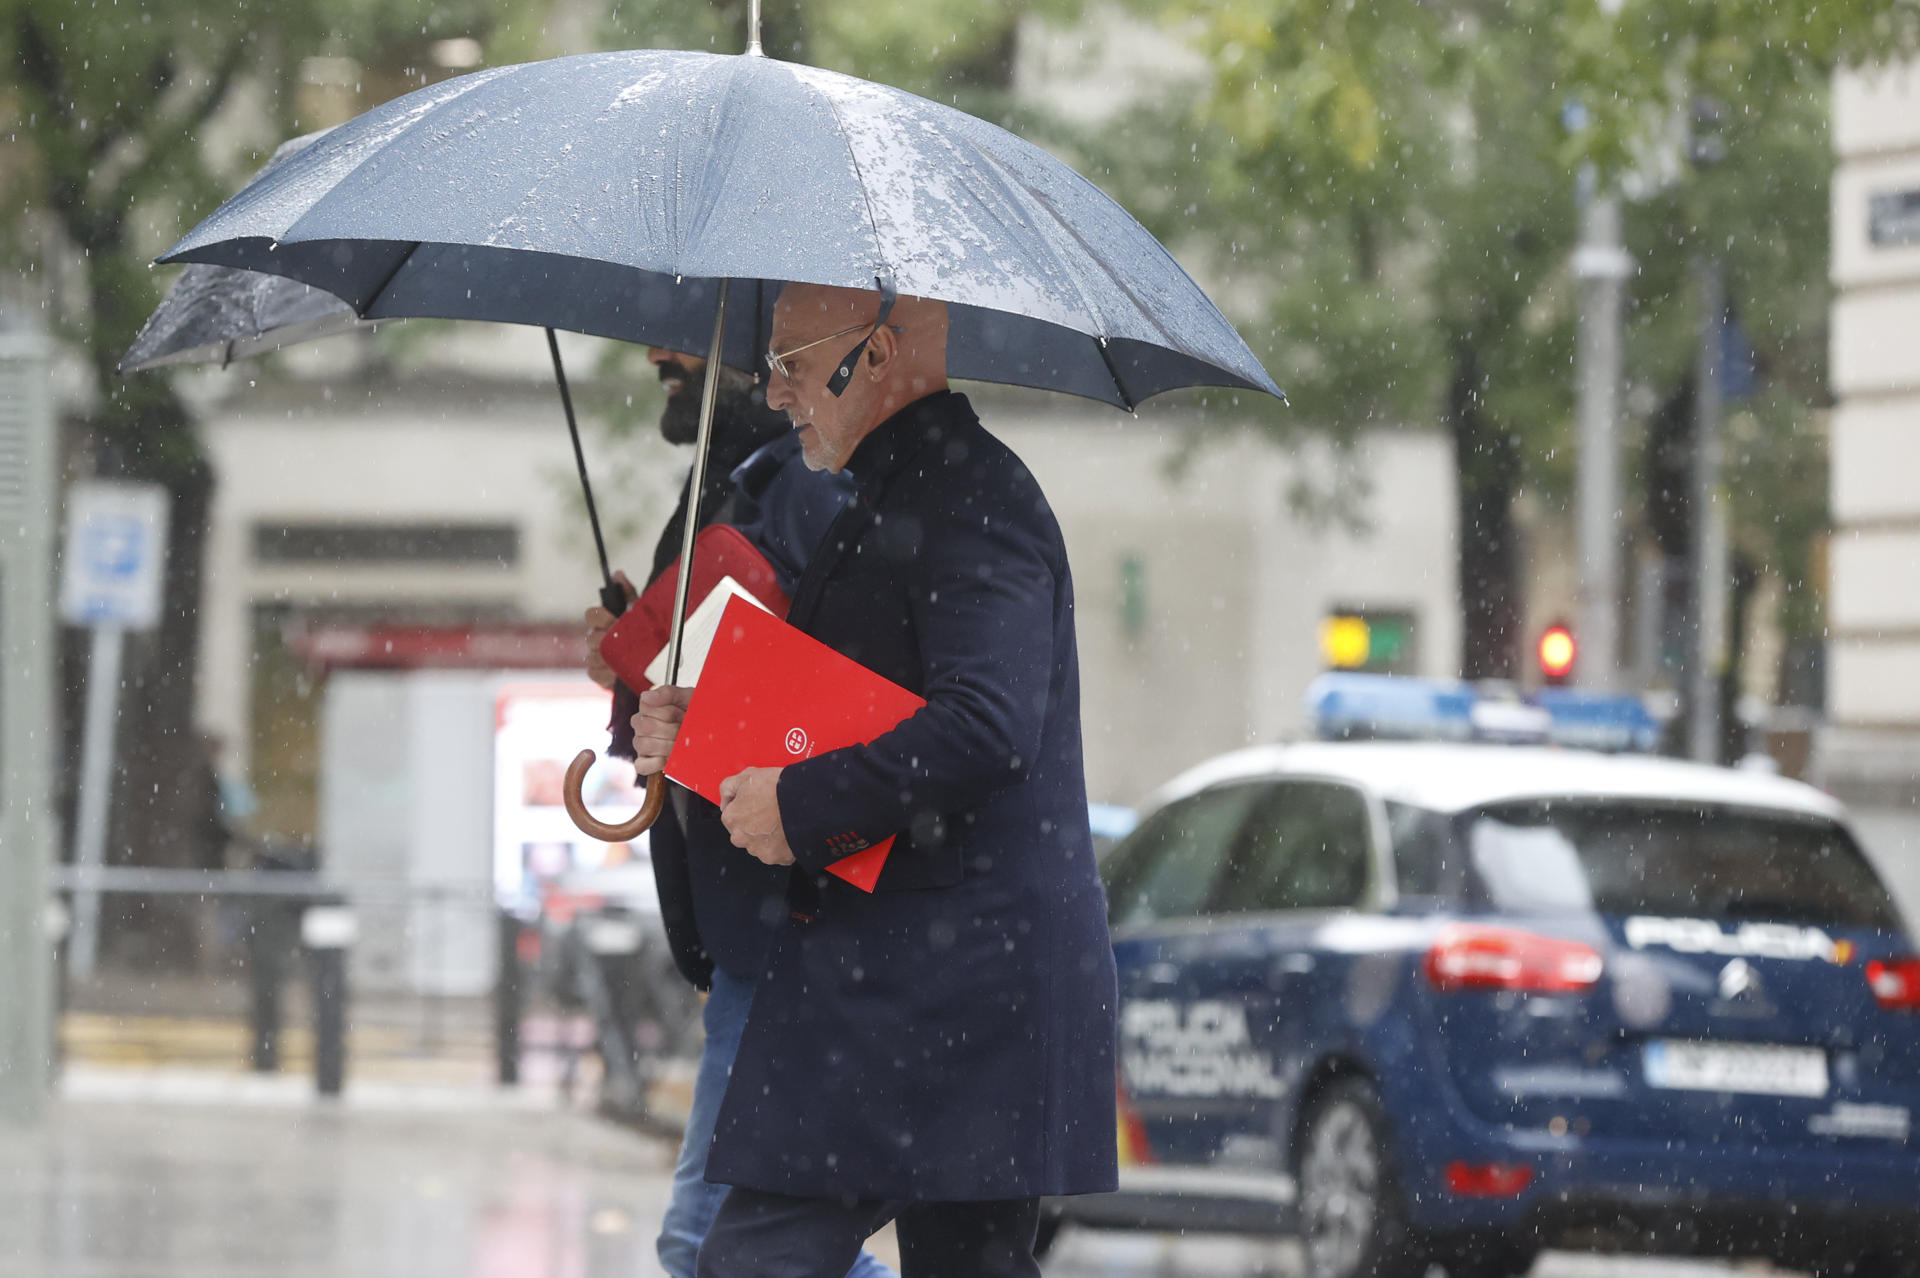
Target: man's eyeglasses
point(778, 361)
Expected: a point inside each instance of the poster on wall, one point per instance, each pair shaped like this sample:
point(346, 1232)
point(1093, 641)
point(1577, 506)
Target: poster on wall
point(540, 861)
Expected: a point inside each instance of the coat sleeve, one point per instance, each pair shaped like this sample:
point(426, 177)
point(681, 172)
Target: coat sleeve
point(982, 611)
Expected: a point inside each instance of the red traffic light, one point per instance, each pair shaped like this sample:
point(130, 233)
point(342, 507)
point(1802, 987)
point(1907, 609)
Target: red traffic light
point(1557, 652)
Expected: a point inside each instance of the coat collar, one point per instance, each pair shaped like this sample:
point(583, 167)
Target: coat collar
point(889, 446)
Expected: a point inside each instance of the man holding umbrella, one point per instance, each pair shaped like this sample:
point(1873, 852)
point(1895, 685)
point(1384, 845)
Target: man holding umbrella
point(717, 906)
point(938, 1052)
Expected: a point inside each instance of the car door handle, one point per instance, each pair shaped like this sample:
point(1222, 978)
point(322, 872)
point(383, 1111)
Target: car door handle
point(1293, 965)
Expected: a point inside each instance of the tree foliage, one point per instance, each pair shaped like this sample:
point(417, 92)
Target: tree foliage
point(122, 122)
point(1401, 176)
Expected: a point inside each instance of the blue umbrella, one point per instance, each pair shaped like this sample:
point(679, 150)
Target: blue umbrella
point(628, 195)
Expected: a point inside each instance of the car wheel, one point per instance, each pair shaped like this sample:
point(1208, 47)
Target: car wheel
point(1352, 1220)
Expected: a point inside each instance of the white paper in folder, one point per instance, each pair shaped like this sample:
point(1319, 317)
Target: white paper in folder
point(703, 623)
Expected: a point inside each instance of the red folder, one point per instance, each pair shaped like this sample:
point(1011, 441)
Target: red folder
point(770, 696)
point(720, 550)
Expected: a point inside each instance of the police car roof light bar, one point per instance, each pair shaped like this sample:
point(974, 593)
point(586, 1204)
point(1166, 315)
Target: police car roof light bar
point(1356, 706)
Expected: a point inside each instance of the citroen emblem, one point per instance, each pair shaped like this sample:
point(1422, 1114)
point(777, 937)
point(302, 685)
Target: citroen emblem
point(1738, 978)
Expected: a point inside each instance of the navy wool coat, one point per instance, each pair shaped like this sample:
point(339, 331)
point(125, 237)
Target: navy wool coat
point(949, 1037)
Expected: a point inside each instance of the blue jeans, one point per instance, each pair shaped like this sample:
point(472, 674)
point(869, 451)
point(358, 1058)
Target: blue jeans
point(695, 1203)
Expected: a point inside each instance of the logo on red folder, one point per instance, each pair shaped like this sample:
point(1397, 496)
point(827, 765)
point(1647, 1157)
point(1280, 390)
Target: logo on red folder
point(769, 695)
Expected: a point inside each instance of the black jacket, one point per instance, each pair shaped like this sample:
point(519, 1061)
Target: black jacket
point(949, 1036)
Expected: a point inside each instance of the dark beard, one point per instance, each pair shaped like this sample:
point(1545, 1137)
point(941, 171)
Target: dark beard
point(733, 402)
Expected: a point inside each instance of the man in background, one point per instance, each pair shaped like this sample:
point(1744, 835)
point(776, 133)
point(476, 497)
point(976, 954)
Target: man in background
point(719, 907)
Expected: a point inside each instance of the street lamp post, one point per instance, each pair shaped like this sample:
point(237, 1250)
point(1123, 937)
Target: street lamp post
point(1601, 265)
point(1708, 545)
point(1707, 600)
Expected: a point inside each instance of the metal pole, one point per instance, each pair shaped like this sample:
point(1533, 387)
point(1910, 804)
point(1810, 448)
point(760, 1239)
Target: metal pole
point(329, 1020)
point(1601, 265)
point(753, 30)
point(96, 793)
point(508, 1002)
point(267, 942)
point(696, 482)
point(29, 496)
point(327, 931)
point(1709, 540)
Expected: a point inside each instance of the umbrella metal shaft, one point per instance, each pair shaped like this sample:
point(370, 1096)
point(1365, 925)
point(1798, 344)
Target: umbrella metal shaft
point(586, 486)
point(696, 483)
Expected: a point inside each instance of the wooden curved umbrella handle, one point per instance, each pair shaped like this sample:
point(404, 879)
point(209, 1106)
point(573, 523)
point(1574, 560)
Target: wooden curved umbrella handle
point(627, 830)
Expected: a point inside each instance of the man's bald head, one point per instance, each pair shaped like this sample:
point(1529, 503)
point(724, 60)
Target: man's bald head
point(904, 361)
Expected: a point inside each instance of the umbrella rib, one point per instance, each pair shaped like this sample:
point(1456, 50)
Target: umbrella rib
point(1106, 357)
point(374, 296)
point(1013, 183)
point(1117, 281)
point(485, 78)
point(873, 218)
point(732, 68)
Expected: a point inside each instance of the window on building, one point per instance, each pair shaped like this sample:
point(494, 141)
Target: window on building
point(496, 545)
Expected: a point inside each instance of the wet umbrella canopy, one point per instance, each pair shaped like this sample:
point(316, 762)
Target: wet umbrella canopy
point(215, 314)
point(605, 194)
point(626, 195)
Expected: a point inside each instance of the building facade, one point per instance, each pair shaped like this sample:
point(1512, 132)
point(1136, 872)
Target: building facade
point(1871, 749)
point(445, 500)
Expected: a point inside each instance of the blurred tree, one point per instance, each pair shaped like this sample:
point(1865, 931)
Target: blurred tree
point(1400, 177)
point(120, 125)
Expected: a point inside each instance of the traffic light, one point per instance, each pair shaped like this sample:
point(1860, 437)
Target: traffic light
point(1375, 641)
point(1557, 651)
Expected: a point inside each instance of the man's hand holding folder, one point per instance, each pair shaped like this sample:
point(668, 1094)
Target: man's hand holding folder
point(750, 809)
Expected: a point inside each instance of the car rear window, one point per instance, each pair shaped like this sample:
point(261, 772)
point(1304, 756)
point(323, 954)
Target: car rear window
point(1167, 868)
point(1643, 858)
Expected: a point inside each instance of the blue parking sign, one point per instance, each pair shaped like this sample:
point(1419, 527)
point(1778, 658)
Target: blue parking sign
point(115, 557)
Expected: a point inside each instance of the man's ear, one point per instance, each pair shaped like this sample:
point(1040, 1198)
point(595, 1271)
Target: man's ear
point(882, 348)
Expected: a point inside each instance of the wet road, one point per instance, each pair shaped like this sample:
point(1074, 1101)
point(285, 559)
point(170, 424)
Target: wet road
point(423, 1183)
point(1115, 1255)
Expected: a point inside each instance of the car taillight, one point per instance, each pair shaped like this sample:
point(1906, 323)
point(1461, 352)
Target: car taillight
point(1132, 1133)
point(1895, 982)
point(1488, 1180)
point(1480, 957)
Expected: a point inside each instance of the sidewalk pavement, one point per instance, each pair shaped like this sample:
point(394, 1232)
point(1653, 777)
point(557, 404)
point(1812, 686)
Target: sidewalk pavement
point(183, 1173)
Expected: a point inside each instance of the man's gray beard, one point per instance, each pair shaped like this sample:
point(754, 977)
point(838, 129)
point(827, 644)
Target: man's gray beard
point(680, 420)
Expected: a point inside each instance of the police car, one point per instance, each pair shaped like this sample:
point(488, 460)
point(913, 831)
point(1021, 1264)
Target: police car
point(1449, 1002)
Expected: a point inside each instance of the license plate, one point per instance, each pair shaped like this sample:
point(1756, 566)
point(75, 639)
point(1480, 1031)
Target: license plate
point(1736, 1067)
